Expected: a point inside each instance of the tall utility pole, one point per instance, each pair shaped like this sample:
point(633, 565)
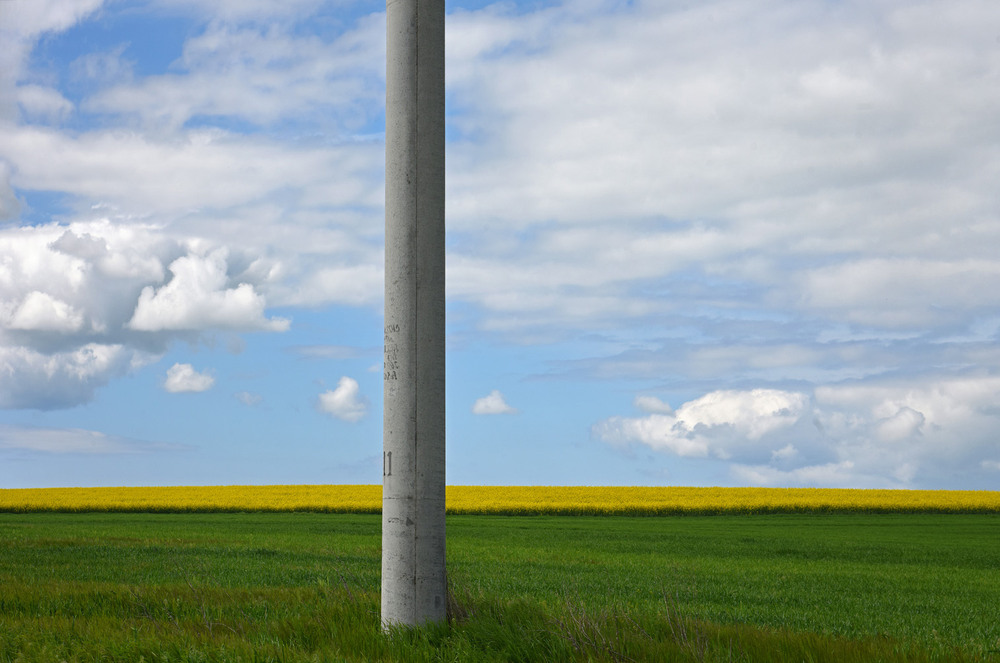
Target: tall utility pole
point(414, 588)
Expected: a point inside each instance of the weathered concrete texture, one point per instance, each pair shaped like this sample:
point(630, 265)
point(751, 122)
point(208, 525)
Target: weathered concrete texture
point(413, 523)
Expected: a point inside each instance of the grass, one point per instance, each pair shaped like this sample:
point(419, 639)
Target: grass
point(300, 587)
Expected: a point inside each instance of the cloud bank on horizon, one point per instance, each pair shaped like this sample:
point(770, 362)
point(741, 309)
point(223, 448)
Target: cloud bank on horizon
point(780, 217)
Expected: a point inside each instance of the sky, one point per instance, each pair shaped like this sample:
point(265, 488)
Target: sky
point(725, 242)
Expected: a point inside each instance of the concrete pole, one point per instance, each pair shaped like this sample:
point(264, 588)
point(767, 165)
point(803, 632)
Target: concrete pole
point(414, 588)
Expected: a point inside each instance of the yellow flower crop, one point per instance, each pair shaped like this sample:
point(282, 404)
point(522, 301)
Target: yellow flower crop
point(345, 499)
point(510, 500)
point(686, 500)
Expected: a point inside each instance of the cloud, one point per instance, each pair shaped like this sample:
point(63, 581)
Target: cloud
point(244, 10)
point(43, 103)
point(168, 231)
point(29, 18)
point(23, 22)
point(52, 380)
point(656, 431)
point(493, 403)
point(907, 292)
point(109, 67)
point(305, 212)
point(653, 404)
point(742, 201)
point(85, 302)
point(182, 378)
point(840, 474)
point(9, 205)
point(718, 423)
point(801, 181)
point(903, 423)
point(344, 402)
point(40, 311)
point(785, 453)
point(851, 77)
point(352, 285)
point(248, 398)
point(798, 139)
point(73, 441)
point(328, 351)
point(197, 297)
point(191, 170)
point(887, 433)
point(751, 413)
point(263, 73)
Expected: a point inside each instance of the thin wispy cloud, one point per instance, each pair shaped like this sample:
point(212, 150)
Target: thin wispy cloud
point(249, 398)
point(59, 441)
point(334, 352)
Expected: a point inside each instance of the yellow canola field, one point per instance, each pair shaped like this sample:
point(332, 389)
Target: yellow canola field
point(509, 500)
point(608, 500)
point(348, 499)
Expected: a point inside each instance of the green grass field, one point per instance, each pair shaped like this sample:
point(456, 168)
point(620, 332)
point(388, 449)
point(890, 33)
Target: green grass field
point(302, 587)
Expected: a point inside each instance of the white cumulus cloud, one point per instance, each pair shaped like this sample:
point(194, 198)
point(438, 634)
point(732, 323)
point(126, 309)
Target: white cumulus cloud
point(42, 312)
point(59, 379)
point(493, 403)
point(345, 402)
point(719, 423)
point(183, 378)
point(870, 434)
point(84, 302)
point(198, 297)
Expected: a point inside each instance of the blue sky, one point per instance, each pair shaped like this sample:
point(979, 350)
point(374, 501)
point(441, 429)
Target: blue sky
point(749, 242)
